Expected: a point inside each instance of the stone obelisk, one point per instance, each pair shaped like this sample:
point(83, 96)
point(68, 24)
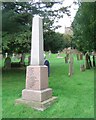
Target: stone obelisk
point(37, 94)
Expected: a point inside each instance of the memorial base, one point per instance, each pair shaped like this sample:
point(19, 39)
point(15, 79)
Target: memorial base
point(37, 105)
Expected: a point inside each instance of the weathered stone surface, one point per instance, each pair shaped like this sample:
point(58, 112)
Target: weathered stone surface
point(37, 77)
point(37, 56)
point(37, 105)
point(37, 95)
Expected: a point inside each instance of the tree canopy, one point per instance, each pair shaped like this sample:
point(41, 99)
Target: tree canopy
point(17, 23)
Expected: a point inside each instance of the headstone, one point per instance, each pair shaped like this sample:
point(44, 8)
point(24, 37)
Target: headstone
point(49, 53)
point(13, 57)
point(19, 56)
point(58, 55)
point(81, 56)
point(37, 94)
point(82, 68)
point(87, 61)
point(66, 58)
point(94, 61)
point(6, 55)
point(77, 56)
point(7, 63)
point(71, 70)
point(22, 59)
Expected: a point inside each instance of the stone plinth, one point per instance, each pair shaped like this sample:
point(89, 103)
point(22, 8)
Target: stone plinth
point(37, 94)
point(37, 77)
point(37, 105)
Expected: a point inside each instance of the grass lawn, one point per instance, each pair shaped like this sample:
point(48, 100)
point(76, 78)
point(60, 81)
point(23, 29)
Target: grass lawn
point(75, 94)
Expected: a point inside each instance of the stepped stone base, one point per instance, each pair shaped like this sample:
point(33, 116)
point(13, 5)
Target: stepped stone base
point(36, 95)
point(37, 105)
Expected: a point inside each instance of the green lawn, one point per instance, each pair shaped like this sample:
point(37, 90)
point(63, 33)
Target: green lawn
point(75, 94)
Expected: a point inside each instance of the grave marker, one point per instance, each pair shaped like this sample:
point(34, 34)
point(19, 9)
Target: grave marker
point(6, 55)
point(49, 53)
point(81, 56)
point(37, 94)
point(7, 63)
point(87, 61)
point(71, 71)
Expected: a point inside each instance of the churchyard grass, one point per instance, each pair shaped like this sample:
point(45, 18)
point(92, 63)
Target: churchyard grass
point(75, 94)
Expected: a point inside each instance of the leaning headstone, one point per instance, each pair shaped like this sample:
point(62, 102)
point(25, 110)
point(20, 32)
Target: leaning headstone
point(7, 63)
point(71, 70)
point(37, 94)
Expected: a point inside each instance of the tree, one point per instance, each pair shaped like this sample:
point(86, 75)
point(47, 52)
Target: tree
point(53, 41)
point(17, 21)
point(84, 26)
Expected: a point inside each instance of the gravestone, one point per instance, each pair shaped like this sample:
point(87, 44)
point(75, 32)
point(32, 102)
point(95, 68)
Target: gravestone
point(71, 70)
point(66, 58)
point(49, 53)
point(77, 56)
point(37, 94)
point(22, 59)
point(19, 56)
point(58, 55)
point(81, 56)
point(7, 63)
point(94, 61)
point(82, 68)
point(6, 55)
point(13, 57)
point(87, 61)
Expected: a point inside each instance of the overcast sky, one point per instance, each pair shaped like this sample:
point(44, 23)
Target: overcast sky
point(66, 20)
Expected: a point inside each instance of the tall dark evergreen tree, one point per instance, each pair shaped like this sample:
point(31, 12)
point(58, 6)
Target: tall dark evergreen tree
point(84, 26)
